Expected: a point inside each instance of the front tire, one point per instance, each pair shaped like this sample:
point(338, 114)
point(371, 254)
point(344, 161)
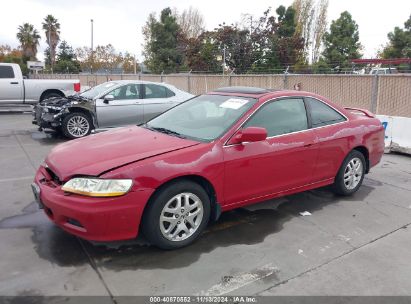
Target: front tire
point(351, 174)
point(176, 215)
point(51, 95)
point(76, 125)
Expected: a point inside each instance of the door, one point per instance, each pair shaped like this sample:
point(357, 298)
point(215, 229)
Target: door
point(332, 141)
point(285, 160)
point(125, 109)
point(157, 99)
point(11, 88)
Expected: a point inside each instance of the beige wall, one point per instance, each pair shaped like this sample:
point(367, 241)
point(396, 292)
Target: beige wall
point(385, 94)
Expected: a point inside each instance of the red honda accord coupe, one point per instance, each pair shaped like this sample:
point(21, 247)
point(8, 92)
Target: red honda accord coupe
point(229, 148)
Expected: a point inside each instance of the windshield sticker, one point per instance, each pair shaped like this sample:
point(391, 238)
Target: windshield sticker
point(234, 103)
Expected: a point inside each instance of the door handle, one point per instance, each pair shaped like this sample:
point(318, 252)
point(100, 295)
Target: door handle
point(308, 145)
point(14, 82)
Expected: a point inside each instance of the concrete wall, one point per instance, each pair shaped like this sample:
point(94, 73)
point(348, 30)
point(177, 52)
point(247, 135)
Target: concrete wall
point(397, 133)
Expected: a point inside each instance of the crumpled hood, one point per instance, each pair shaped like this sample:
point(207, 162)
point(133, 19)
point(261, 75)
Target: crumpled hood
point(62, 101)
point(95, 154)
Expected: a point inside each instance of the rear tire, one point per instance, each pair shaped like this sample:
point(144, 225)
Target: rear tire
point(176, 215)
point(76, 125)
point(351, 174)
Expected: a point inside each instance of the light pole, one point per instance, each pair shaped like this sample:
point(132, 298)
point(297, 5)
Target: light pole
point(91, 67)
point(135, 64)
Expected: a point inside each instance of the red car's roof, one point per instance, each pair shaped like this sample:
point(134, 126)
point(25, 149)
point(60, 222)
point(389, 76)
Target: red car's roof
point(255, 92)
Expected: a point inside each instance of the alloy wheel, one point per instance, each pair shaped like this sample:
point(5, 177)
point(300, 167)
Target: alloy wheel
point(181, 216)
point(78, 126)
point(353, 173)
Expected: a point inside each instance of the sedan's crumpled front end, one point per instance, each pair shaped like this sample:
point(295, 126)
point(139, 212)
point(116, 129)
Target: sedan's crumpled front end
point(50, 113)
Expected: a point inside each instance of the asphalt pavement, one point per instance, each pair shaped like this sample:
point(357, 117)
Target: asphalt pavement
point(344, 246)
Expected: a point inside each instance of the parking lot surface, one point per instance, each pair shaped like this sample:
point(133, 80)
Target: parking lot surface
point(345, 246)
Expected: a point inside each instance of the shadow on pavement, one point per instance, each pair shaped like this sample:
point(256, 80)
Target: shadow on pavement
point(241, 226)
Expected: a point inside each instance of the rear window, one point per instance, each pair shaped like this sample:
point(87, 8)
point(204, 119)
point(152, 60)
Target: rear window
point(157, 91)
point(322, 114)
point(6, 72)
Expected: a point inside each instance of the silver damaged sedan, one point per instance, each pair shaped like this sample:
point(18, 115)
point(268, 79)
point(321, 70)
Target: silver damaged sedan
point(111, 104)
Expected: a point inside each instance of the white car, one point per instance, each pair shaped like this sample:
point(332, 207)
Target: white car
point(383, 71)
point(111, 104)
point(15, 89)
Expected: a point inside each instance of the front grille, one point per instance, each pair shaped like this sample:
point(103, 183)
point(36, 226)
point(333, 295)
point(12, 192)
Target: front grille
point(54, 176)
point(48, 117)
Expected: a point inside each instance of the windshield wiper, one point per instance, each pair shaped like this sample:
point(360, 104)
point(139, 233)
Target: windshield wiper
point(165, 131)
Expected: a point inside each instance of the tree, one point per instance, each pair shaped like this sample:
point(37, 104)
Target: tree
point(304, 14)
point(127, 62)
point(319, 29)
point(202, 53)
point(29, 38)
point(85, 59)
point(399, 44)
point(191, 22)
point(105, 59)
point(236, 44)
point(342, 42)
point(286, 47)
point(51, 26)
point(265, 43)
point(311, 23)
point(15, 55)
point(163, 49)
point(66, 59)
point(7, 54)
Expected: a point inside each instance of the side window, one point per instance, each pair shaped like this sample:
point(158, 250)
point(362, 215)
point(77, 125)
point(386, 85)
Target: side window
point(156, 91)
point(322, 114)
point(280, 117)
point(170, 93)
point(128, 91)
point(6, 72)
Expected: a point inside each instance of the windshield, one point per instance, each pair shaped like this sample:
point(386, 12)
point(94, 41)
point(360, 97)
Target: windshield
point(203, 118)
point(97, 90)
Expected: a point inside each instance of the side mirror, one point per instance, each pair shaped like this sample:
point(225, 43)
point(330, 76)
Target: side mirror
point(250, 134)
point(108, 98)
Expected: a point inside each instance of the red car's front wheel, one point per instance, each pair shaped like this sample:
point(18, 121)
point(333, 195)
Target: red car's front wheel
point(176, 215)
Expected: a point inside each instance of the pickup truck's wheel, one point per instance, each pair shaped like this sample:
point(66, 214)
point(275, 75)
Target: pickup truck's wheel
point(176, 215)
point(76, 125)
point(351, 174)
point(51, 95)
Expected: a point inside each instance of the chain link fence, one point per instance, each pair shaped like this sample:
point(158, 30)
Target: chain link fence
point(382, 94)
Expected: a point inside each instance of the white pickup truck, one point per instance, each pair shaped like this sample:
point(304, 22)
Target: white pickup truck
point(15, 89)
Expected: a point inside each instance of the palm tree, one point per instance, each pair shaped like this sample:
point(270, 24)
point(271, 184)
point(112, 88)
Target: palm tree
point(52, 30)
point(29, 39)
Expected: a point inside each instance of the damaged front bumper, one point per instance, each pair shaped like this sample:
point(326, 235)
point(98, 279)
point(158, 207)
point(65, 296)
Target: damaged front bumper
point(50, 113)
point(47, 118)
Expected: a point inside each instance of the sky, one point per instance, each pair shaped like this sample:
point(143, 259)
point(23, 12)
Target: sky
point(120, 22)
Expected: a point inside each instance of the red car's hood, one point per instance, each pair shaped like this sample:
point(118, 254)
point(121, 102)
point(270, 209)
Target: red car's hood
point(98, 153)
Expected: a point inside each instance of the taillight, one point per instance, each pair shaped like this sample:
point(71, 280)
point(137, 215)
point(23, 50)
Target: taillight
point(77, 87)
